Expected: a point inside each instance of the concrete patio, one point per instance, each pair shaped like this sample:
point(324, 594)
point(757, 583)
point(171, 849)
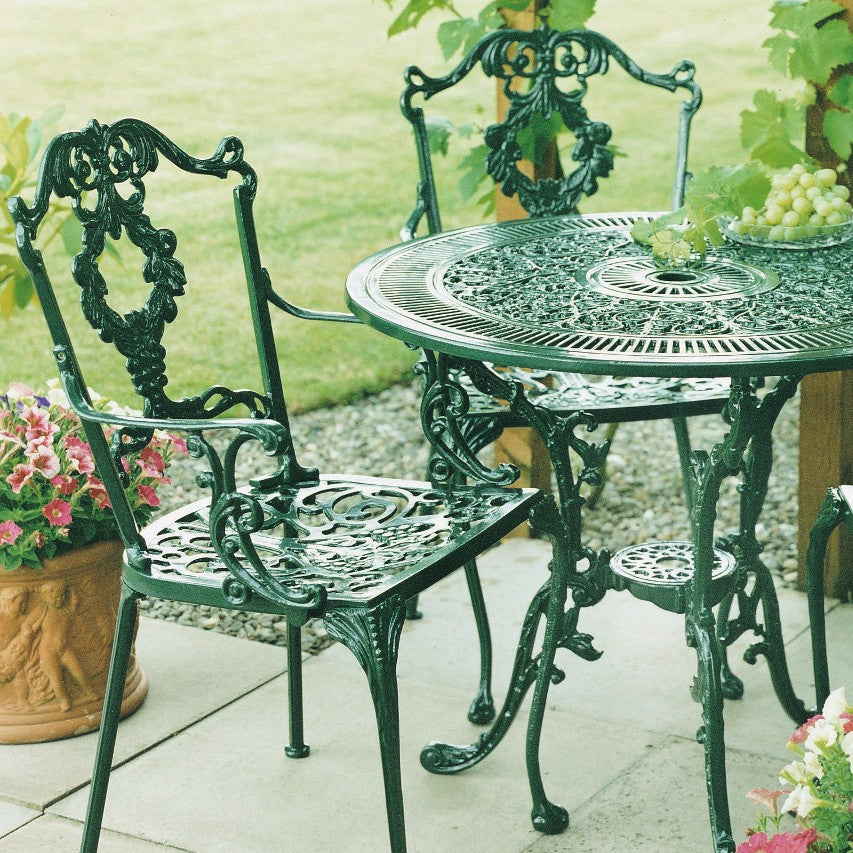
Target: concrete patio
point(201, 766)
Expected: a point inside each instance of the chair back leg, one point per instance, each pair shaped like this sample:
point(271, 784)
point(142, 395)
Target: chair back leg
point(122, 644)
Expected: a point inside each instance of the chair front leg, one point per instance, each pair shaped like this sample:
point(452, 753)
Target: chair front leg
point(832, 512)
point(297, 748)
point(122, 644)
point(373, 636)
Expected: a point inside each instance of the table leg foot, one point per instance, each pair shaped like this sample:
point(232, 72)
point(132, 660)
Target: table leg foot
point(549, 818)
point(773, 649)
point(438, 757)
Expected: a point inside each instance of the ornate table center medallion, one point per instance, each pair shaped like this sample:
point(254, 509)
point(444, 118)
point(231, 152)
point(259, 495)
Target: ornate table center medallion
point(639, 277)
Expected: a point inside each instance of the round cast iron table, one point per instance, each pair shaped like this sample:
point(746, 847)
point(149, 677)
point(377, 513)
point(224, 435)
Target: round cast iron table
point(576, 294)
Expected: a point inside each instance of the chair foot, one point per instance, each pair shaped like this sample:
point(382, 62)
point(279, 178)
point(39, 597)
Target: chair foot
point(297, 751)
point(482, 710)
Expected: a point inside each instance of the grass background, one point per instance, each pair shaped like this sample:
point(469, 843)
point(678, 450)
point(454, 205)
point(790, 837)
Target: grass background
point(312, 90)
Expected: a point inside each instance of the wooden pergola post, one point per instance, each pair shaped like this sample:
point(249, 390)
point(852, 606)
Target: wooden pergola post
point(521, 446)
point(826, 412)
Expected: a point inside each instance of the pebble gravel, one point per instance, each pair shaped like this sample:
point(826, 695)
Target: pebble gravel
point(381, 436)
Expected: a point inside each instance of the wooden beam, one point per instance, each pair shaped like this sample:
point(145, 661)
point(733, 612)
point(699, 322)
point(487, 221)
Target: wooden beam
point(826, 409)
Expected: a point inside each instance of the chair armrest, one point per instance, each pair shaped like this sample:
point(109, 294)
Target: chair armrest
point(273, 436)
point(304, 313)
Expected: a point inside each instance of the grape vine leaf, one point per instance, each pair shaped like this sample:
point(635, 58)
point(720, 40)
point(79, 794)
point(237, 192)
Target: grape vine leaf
point(458, 35)
point(811, 42)
point(439, 130)
point(768, 131)
point(568, 14)
point(841, 93)
point(838, 130)
point(413, 12)
point(722, 190)
point(540, 132)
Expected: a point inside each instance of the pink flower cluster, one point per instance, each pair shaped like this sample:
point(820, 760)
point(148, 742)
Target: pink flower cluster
point(821, 799)
point(50, 495)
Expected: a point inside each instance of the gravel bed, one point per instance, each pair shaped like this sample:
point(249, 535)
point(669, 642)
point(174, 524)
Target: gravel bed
point(381, 436)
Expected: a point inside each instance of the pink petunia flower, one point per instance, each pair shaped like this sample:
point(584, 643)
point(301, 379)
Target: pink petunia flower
point(847, 719)
point(783, 842)
point(99, 493)
point(180, 445)
point(20, 477)
point(767, 798)
point(79, 456)
point(45, 461)
point(148, 496)
point(64, 484)
point(57, 512)
point(800, 735)
point(38, 423)
point(151, 462)
point(9, 532)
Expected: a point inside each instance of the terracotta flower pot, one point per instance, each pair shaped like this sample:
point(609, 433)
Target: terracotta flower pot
point(56, 633)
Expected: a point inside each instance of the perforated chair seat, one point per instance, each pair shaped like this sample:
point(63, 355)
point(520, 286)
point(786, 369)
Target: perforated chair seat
point(360, 539)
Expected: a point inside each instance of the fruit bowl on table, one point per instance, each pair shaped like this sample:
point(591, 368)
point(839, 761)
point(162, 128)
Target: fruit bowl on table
point(785, 237)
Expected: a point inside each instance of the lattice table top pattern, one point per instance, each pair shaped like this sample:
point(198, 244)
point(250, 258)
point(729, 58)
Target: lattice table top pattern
point(577, 293)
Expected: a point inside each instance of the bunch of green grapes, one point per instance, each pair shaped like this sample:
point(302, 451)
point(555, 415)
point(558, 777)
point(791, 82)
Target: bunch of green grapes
point(803, 203)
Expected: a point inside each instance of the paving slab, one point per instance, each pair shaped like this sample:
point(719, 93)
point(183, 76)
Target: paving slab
point(617, 745)
point(185, 669)
point(13, 816)
point(659, 805)
point(237, 791)
point(50, 834)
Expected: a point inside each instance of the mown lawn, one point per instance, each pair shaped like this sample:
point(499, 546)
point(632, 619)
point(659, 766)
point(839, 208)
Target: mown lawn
point(312, 90)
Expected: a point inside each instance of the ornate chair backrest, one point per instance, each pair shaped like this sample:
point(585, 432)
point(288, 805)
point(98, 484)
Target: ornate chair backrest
point(542, 72)
point(103, 170)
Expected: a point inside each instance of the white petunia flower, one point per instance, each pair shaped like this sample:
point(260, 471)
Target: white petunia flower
point(801, 800)
point(796, 773)
point(811, 761)
point(836, 705)
point(823, 733)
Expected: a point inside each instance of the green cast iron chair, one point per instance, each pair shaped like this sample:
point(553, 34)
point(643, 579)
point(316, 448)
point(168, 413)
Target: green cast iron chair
point(836, 509)
point(545, 73)
point(291, 542)
point(545, 76)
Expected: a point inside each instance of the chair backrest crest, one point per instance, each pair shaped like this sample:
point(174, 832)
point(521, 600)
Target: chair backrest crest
point(534, 67)
point(91, 168)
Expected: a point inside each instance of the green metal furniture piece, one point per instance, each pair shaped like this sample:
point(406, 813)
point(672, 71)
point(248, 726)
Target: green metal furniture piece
point(290, 541)
point(546, 73)
point(588, 299)
point(836, 509)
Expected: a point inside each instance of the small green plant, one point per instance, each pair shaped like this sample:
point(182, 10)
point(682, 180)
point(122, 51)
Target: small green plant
point(20, 140)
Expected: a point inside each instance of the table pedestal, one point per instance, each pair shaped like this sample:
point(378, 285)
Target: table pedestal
point(732, 575)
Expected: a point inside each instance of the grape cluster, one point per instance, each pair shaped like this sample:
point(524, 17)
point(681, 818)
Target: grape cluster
point(802, 204)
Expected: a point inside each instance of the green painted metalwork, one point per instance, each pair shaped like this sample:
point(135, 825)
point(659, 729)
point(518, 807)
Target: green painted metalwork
point(546, 74)
point(542, 72)
point(290, 541)
point(448, 294)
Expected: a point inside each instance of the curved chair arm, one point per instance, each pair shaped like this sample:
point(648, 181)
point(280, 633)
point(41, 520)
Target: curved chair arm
point(303, 313)
point(272, 435)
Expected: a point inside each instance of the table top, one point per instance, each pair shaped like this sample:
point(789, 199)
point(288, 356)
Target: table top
point(577, 294)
